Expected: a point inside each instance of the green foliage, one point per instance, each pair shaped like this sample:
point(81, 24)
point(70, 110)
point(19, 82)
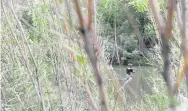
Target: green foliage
point(140, 5)
point(111, 15)
point(80, 59)
point(37, 18)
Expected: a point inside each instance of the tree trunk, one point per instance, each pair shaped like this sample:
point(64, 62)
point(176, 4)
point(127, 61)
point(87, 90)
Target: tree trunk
point(142, 30)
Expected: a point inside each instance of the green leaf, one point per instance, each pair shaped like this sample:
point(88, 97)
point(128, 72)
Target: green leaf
point(80, 59)
point(60, 1)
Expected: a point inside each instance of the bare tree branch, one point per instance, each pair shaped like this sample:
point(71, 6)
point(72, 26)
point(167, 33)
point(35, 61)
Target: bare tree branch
point(165, 32)
point(87, 35)
point(184, 44)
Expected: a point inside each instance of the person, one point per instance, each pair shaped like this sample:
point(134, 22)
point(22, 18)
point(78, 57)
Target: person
point(129, 71)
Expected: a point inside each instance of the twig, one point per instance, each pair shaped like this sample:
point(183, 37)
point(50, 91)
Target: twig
point(91, 100)
point(184, 44)
point(69, 12)
point(14, 36)
point(165, 33)
point(178, 15)
point(156, 14)
point(184, 48)
point(39, 92)
point(168, 30)
point(87, 35)
point(89, 13)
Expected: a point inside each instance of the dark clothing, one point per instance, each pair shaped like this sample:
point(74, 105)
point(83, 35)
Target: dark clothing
point(129, 71)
